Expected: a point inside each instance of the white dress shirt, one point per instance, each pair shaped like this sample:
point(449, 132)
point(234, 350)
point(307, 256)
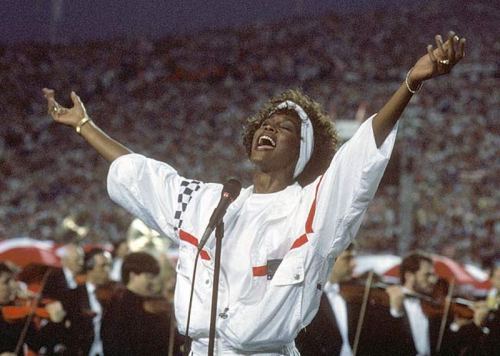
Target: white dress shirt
point(304, 227)
point(339, 307)
point(116, 270)
point(70, 278)
point(419, 326)
point(96, 348)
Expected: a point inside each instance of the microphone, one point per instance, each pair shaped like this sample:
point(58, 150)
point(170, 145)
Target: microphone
point(230, 192)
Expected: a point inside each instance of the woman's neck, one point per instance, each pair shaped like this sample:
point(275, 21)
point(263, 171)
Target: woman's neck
point(271, 183)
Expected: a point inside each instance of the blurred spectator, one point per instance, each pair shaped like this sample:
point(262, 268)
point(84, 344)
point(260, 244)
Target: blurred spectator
point(12, 337)
point(61, 280)
point(120, 250)
point(85, 309)
point(137, 321)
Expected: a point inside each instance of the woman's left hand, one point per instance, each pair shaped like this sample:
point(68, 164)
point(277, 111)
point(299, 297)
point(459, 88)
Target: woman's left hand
point(439, 60)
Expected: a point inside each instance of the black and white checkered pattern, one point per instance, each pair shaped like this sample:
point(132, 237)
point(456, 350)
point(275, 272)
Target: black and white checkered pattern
point(188, 187)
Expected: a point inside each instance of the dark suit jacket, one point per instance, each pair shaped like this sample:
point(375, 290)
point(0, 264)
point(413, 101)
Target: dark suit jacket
point(381, 334)
point(400, 340)
point(56, 286)
point(322, 336)
point(10, 333)
point(80, 316)
point(471, 340)
point(128, 329)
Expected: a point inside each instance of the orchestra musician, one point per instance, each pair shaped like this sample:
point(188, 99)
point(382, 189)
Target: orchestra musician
point(412, 332)
point(84, 307)
point(20, 324)
point(61, 280)
point(480, 336)
point(137, 305)
point(10, 331)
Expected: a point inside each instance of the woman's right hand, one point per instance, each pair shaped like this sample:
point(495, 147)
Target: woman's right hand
point(67, 116)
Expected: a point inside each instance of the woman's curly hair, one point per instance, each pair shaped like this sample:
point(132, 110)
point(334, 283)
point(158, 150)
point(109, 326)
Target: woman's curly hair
point(325, 135)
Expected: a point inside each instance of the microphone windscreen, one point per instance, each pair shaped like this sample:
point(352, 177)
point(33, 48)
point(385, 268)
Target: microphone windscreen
point(232, 187)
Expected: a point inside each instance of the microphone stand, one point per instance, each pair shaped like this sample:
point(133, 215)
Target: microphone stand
point(219, 234)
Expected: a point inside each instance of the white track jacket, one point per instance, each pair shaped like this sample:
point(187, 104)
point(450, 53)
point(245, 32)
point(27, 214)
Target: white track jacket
point(301, 230)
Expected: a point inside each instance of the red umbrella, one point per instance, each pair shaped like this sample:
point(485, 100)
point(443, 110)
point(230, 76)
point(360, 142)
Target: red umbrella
point(24, 250)
point(450, 270)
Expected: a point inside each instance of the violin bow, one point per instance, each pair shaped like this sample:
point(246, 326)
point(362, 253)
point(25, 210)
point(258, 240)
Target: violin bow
point(29, 318)
point(446, 312)
point(362, 312)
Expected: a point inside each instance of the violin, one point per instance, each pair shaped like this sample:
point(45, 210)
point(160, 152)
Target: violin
point(459, 307)
point(80, 278)
point(432, 306)
point(110, 291)
point(22, 308)
point(104, 293)
point(353, 290)
point(157, 305)
point(440, 305)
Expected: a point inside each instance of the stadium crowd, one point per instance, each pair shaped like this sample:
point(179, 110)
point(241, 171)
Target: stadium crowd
point(185, 97)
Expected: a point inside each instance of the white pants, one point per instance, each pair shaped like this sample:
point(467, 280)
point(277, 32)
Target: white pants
point(200, 348)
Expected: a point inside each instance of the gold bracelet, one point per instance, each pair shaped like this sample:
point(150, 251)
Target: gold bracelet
point(82, 122)
point(408, 84)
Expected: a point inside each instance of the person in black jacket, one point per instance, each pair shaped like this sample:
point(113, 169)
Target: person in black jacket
point(413, 332)
point(61, 280)
point(85, 308)
point(137, 321)
point(481, 335)
point(13, 337)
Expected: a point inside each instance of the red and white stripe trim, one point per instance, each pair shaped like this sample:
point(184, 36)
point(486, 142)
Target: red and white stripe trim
point(261, 271)
point(187, 237)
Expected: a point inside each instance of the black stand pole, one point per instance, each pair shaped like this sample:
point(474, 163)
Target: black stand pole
point(219, 234)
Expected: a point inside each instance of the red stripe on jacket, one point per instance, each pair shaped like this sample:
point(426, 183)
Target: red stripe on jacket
point(185, 236)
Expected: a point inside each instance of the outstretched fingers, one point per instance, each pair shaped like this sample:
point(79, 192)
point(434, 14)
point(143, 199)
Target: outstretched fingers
point(447, 54)
point(78, 104)
point(48, 93)
point(76, 99)
point(430, 52)
point(452, 42)
point(440, 58)
point(440, 46)
point(442, 55)
point(53, 107)
point(456, 50)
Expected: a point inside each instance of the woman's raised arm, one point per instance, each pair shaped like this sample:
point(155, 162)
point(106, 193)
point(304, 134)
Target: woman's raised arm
point(77, 118)
point(436, 62)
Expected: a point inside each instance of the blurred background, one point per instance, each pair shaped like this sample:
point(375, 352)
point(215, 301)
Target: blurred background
point(176, 79)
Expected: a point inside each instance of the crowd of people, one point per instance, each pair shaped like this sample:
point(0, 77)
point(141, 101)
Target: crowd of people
point(96, 303)
point(120, 303)
point(183, 98)
point(404, 319)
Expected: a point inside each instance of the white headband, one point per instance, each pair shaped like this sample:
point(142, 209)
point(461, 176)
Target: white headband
point(306, 134)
